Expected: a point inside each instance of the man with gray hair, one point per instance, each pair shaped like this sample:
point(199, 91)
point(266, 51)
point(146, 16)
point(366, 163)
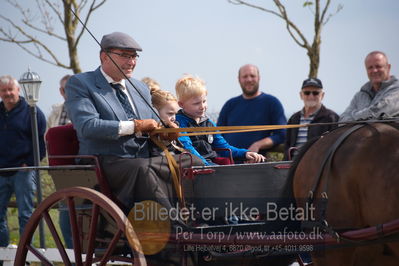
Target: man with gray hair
point(379, 97)
point(16, 150)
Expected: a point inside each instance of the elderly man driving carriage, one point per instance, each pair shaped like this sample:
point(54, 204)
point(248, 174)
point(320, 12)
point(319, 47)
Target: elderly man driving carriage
point(112, 116)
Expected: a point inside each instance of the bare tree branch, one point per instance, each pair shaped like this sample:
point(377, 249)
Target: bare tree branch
point(27, 20)
point(291, 26)
point(99, 4)
point(91, 9)
point(45, 16)
point(50, 33)
point(22, 33)
point(82, 5)
point(281, 14)
point(12, 39)
point(320, 19)
point(339, 8)
point(37, 44)
point(56, 11)
point(239, 2)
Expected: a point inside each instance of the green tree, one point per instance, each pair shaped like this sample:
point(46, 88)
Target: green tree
point(320, 16)
point(48, 18)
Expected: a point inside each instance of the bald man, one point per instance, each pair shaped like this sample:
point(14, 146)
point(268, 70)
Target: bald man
point(253, 107)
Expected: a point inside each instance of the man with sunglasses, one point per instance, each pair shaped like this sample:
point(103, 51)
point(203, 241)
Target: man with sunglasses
point(379, 97)
point(313, 112)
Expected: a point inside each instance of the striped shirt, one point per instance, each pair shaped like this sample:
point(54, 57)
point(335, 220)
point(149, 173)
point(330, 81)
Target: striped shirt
point(302, 136)
point(63, 117)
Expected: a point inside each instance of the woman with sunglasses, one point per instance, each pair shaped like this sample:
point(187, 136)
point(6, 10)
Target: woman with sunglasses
point(313, 112)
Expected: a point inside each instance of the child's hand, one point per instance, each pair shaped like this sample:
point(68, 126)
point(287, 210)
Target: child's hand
point(254, 157)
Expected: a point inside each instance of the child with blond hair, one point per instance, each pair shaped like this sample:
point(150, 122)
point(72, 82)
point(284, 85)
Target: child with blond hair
point(152, 84)
point(192, 98)
point(166, 105)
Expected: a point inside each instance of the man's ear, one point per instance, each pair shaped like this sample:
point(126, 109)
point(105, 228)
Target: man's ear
point(103, 56)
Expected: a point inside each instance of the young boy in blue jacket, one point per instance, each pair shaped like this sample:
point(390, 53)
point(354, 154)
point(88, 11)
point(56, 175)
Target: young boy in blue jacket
point(192, 94)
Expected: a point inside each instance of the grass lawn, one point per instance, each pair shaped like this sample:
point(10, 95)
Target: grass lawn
point(13, 226)
point(12, 214)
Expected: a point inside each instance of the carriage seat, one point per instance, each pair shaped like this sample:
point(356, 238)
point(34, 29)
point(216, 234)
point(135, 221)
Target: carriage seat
point(223, 160)
point(62, 140)
point(62, 150)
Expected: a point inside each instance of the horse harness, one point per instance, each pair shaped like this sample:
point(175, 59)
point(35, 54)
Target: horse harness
point(321, 221)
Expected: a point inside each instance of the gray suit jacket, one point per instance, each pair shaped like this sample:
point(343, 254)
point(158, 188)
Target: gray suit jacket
point(95, 112)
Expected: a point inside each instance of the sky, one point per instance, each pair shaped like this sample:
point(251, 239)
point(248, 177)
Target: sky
point(213, 38)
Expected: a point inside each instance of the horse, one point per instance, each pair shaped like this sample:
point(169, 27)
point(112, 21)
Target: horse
point(354, 171)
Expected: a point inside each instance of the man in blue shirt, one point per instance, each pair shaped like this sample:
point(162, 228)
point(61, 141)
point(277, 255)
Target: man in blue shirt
point(16, 150)
point(253, 107)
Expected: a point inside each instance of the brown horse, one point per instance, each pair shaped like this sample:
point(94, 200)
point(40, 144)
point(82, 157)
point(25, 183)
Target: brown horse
point(362, 187)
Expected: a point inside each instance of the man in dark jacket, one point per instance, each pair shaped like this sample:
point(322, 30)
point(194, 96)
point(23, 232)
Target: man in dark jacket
point(16, 150)
point(313, 112)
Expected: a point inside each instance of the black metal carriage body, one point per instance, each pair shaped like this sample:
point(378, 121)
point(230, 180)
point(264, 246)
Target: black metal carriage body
point(225, 190)
point(220, 188)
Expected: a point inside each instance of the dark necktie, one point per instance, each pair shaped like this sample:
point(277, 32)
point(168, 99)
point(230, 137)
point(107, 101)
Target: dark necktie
point(124, 100)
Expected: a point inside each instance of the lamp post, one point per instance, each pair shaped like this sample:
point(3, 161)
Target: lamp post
point(30, 81)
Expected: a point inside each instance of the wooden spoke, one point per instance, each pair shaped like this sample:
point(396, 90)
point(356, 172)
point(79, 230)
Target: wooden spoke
point(86, 207)
point(39, 255)
point(92, 234)
point(56, 238)
point(111, 247)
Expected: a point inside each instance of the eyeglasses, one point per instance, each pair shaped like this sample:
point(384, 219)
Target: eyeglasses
point(126, 56)
point(307, 93)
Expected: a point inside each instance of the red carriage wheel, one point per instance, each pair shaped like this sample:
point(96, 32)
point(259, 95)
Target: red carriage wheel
point(95, 209)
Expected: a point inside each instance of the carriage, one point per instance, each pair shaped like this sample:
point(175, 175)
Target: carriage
point(245, 211)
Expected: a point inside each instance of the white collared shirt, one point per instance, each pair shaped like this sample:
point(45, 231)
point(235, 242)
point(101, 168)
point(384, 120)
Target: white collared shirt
point(125, 127)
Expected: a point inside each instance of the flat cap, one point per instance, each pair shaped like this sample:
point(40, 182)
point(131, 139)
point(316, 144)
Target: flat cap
point(119, 40)
point(312, 82)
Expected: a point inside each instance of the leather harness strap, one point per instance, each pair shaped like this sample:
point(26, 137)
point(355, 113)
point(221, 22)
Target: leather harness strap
point(326, 164)
point(174, 169)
